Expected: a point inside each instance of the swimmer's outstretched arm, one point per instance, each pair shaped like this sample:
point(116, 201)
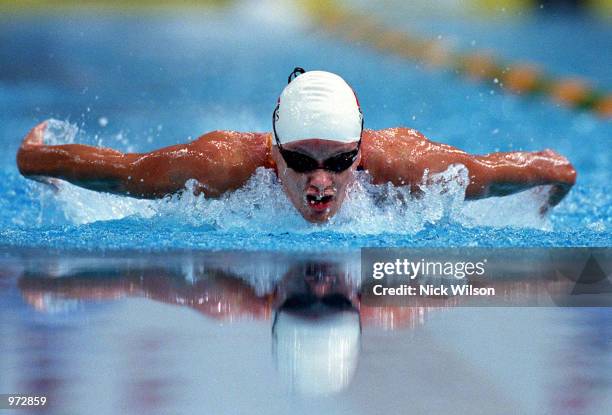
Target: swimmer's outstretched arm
point(496, 174)
point(215, 293)
point(220, 161)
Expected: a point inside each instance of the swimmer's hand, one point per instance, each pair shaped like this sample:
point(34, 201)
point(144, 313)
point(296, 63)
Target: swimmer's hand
point(36, 136)
point(501, 174)
point(555, 195)
point(561, 175)
point(31, 144)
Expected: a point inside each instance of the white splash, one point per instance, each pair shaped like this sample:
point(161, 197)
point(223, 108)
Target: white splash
point(60, 132)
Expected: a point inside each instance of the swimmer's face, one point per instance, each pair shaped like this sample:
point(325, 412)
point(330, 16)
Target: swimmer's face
point(311, 281)
point(317, 194)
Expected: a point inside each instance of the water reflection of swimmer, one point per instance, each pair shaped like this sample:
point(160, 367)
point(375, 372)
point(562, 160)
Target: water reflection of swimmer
point(318, 142)
point(316, 308)
point(223, 295)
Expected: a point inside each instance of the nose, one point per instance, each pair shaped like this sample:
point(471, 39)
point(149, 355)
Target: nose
point(320, 180)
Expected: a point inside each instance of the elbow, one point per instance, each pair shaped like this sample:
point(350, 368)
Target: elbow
point(559, 168)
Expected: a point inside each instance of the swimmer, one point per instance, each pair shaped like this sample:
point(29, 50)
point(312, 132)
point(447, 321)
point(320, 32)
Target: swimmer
point(316, 145)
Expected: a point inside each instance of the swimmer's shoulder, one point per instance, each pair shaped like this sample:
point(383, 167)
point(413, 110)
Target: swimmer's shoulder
point(253, 147)
point(381, 143)
point(390, 136)
point(385, 153)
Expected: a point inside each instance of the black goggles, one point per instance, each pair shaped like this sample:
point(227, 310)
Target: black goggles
point(306, 301)
point(301, 163)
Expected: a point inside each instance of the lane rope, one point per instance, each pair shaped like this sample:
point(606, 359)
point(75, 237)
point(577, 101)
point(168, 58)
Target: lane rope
point(522, 78)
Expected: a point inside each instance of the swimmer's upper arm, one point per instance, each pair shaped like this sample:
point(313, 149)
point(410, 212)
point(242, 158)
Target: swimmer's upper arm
point(401, 156)
point(220, 161)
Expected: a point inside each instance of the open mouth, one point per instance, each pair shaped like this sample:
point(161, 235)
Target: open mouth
point(319, 202)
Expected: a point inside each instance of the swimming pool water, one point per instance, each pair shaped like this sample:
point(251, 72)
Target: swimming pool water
point(138, 82)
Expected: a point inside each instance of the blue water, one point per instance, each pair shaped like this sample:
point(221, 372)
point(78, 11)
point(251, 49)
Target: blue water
point(136, 83)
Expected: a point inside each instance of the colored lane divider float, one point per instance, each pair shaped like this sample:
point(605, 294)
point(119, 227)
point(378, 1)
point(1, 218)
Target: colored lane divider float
point(525, 79)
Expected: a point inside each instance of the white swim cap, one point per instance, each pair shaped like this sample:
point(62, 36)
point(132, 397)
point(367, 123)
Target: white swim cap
point(318, 104)
point(317, 357)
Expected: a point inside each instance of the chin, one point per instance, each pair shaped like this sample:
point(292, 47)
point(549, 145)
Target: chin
point(318, 217)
